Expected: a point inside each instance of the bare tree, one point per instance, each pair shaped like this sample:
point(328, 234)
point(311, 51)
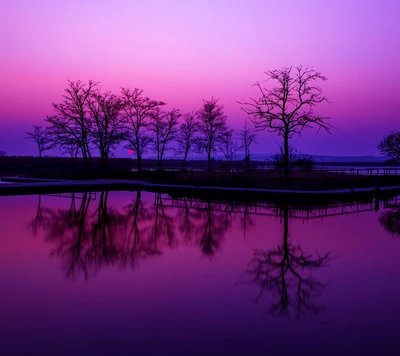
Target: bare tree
point(107, 129)
point(390, 145)
point(137, 111)
point(212, 127)
point(247, 137)
point(39, 136)
point(163, 126)
point(71, 123)
point(229, 146)
point(288, 108)
point(187, 135)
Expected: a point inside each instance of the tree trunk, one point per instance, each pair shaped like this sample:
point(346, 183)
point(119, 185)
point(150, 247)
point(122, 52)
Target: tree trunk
point(286, 158)
point(139, 162)
point(160, 156)
point(184, 161)
point(209, 160)
point(105, 162)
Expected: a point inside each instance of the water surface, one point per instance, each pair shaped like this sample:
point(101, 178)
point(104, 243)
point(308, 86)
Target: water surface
point(142, 273)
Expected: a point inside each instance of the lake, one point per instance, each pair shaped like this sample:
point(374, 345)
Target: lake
point(139, 273)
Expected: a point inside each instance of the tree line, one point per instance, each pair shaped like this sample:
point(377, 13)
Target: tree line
point(88, 118)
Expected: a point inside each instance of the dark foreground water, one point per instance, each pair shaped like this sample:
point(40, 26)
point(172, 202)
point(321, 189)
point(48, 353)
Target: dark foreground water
point(140, 274)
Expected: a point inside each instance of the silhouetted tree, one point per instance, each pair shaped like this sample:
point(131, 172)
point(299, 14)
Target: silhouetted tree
point(163, 126)
point(229, 146)
point(247, 137)
point(288, 108)
point(212, 127)
point(39, 136)
point(137, 112)
point(107, 130)
point(3, 153)
point(186, 136)
point(279, 271)
point(390, 146)
point(71, 124)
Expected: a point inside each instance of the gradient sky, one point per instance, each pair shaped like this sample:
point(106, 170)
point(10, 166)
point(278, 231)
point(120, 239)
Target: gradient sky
point(182, 51)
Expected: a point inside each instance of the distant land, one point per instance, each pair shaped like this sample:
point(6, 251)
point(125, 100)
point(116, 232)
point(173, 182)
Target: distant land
point(268, 157)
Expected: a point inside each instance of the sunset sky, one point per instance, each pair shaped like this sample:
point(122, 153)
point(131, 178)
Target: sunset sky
point(182, 51)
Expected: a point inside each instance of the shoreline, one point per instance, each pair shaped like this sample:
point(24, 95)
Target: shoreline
point(31, 186)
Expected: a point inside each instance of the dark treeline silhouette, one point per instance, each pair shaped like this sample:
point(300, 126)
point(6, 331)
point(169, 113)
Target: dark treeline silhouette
point(89, 119)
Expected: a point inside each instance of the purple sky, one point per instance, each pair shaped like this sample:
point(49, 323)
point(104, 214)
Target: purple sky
point(182, 51)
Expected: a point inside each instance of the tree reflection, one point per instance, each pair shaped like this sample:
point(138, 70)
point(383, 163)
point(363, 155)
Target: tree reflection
point(164, 226)
point(187, 217)
point(279, 271)
point(211, 226)
point(247, 220)
point(137, 244)
point(87, 239)
point(90, 234)
point(390, 219)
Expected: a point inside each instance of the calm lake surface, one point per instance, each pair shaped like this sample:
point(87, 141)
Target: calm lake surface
point(138, 273)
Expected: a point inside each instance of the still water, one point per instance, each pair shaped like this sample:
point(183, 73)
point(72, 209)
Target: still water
point(139, 273)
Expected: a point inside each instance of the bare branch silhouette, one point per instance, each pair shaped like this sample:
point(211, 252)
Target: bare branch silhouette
point(163, 126)
point(137, 112)
point(247, 137)
point(71, 124)
point(107, 130)
point(212, 127)
point(40, 137)
point(288, 108)
point(186, 136)
point(390, 146)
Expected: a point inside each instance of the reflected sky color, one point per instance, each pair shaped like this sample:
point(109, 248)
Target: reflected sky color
point(184, 298)
point(183, 51)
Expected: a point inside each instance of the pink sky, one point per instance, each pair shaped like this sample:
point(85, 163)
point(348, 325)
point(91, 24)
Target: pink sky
point(182, 51)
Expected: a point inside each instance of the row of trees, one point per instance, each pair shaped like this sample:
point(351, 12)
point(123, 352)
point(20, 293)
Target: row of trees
point(88, 117)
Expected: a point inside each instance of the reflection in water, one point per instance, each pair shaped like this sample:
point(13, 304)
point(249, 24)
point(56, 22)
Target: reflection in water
point(212, 229)
point(280, 270)
point(91, 234)
point(138, 244)
point(390, 218)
